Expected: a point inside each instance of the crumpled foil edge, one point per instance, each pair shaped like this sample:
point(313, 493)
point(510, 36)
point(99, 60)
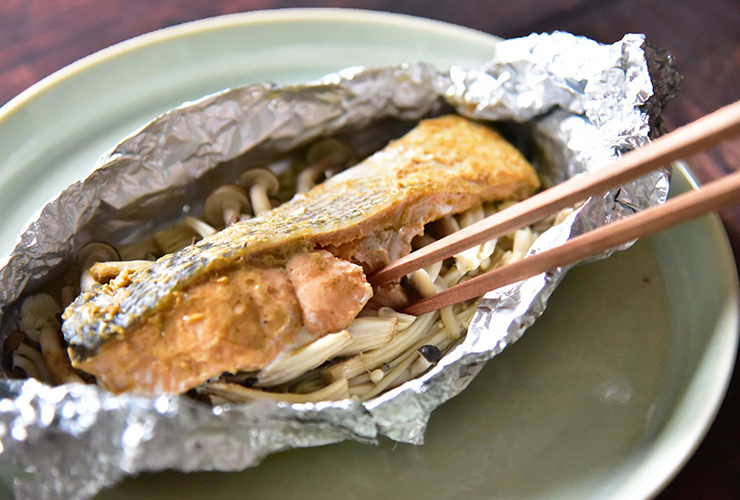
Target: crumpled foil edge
point(583, 110)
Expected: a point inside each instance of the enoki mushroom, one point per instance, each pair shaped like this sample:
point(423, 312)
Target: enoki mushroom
point(380, 350)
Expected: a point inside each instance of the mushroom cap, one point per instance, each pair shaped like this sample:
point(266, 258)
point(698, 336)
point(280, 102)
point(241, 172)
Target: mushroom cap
point(224, 196)
point(38, 310)
point(261, 176)
point(332, 152)
point(96, 251)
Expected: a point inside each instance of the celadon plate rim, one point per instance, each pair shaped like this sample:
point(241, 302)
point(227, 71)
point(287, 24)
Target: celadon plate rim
point(658, 471)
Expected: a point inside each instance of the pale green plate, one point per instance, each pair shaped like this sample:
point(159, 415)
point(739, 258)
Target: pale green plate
point(605, 397)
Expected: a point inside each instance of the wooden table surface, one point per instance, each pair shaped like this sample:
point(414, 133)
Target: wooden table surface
point(38, 37)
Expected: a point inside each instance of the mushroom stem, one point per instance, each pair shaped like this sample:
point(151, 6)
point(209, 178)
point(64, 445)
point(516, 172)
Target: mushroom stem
point(200, 227)
point(103, 272)
point(87, 281)
point(56, 358)
point(225, 204)
point(260, 201)
point(38, 318)
point(423, 283)
point(38, 361)
point(239, 394)
point(26, 365)
point(308, 178)
point(262, 183)
point(422, 241)
point(447, 225)
point(232, 211)
point(90, 254)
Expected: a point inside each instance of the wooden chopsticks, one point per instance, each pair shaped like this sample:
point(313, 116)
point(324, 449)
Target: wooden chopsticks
point(688, 206)
point(685, 141)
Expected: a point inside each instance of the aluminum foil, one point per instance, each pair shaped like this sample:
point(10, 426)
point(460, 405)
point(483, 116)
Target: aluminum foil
point(583, 103)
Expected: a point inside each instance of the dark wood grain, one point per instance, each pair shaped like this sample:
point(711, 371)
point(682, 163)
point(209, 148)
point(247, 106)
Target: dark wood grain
point(38, 37)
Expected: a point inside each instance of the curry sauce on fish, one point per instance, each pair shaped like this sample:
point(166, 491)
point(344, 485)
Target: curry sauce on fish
point(235, 300)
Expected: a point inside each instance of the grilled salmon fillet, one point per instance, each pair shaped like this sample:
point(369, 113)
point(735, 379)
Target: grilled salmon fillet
point(235, 300)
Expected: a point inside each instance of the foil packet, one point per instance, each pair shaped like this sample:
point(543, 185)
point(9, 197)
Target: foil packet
point(581, 102)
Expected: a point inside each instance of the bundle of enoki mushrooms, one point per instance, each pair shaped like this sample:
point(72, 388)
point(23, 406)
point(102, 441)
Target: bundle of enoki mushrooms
point(379, 349)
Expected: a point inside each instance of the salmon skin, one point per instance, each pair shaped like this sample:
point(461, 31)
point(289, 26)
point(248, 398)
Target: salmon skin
point(136, 333)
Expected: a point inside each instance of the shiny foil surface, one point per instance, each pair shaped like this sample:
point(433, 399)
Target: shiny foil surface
point(581, 102)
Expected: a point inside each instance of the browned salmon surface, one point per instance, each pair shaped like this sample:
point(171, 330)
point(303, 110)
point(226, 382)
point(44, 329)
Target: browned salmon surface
point(235, 300)
point(240, 319)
